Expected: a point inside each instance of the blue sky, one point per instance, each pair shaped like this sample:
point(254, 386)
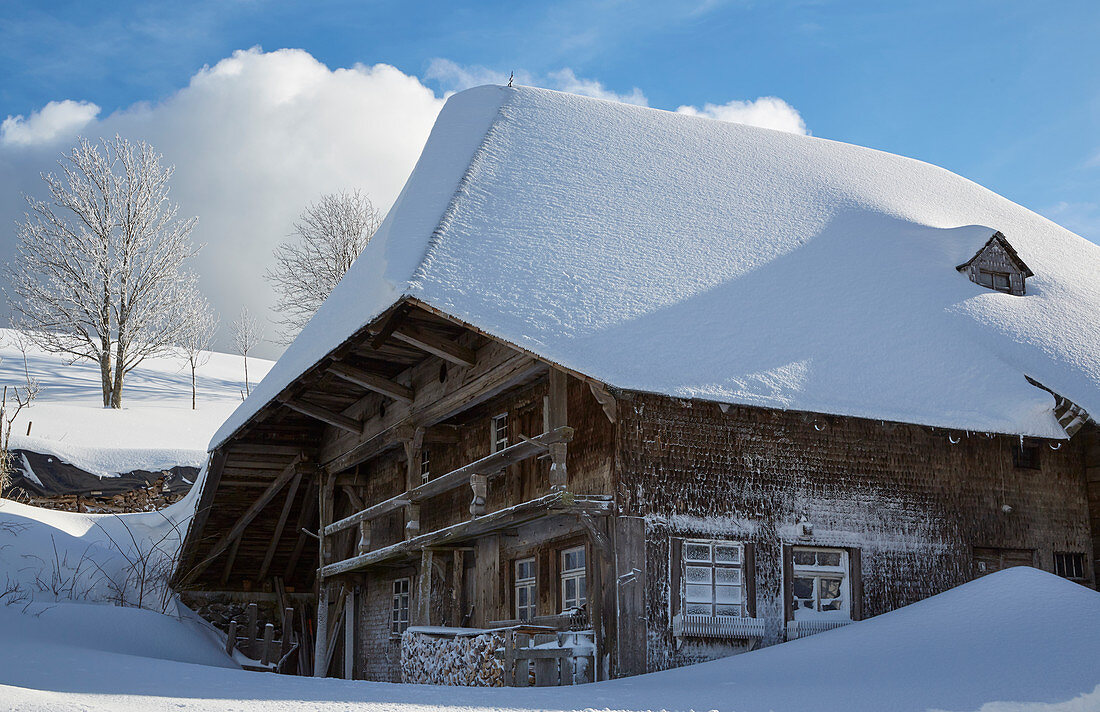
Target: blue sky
point(1005, 93)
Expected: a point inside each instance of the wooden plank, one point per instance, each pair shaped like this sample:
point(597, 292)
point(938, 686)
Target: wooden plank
point(202, 514)
point(488, 465)
point(336, 420)
point(630, 574)
point(487, 584)
point(477, 526)
point(436, 345)
point(372, 382)
point(245, 519)
point(278, 534)
point(305, 519)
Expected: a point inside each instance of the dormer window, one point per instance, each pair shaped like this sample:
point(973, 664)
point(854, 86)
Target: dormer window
point(1001, 281)
point(997, 266)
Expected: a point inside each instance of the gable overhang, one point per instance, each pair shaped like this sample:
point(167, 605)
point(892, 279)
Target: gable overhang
point(1000, 239)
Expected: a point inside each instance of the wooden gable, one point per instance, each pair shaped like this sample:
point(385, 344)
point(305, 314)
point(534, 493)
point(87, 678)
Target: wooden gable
point(998, 266)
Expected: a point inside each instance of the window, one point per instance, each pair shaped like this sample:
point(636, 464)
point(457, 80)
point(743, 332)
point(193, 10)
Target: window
point(399, 617)
point(425, 465)
point(525, 589)
point(1026, 455)
point(820, 585)
point(994, 280)
point(499, 432)
point(712, 578)
point(572, 579)
point(1069, 565)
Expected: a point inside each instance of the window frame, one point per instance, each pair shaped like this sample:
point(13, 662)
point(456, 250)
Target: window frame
point(993, 276)
point(714, 565)
point(819, 573)
point(496, 442)
point(425, 465)
point(400, 603)
point(527, 583)
point(1072, 565)
point(578, 575)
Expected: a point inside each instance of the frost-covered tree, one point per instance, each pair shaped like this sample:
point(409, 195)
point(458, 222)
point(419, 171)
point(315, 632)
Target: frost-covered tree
point(99, 271)
point(326, 239)
point(247, 333)
point(202, 324)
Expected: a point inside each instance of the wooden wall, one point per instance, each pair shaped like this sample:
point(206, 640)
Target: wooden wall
point(913, 503)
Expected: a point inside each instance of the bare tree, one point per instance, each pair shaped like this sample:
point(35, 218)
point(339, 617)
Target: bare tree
point(23, 397)
point(247, 333)
point(326, 239)
point(202, 324)
point(99, 271)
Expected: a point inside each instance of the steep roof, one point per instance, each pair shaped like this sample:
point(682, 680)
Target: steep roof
point(674, 254)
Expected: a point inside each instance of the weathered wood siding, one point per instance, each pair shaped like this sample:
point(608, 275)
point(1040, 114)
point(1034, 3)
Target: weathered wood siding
point(486, 583)
point(914, 504)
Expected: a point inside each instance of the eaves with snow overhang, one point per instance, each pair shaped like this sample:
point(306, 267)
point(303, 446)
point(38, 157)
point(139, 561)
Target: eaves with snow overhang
point(672, 254)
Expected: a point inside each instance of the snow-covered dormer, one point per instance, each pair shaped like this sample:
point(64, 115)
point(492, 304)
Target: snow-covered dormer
point(997, 266)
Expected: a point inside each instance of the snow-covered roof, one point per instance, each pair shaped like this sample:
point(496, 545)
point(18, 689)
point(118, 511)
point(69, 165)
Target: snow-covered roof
point(674, 254)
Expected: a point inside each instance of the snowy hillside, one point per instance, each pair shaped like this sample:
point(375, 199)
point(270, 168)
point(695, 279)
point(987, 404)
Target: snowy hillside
point(156, 428)
point(1019, 640)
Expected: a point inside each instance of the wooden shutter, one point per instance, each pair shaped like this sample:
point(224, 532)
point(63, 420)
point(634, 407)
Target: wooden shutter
point(749, 583)
point(855, 575)
point(675, 566)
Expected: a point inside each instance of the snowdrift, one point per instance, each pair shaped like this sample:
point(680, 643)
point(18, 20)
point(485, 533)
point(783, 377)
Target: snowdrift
point(1019, 640)
point(54, 556)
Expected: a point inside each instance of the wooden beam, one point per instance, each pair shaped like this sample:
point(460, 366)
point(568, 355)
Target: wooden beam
point(325, 416)
point(238, 529)
point(372, 382)
point(478, 526)
point(388, 326)
point(436, 345)
point(287, 505)
point(202, 512)
point(339, 455)
point(488, 465)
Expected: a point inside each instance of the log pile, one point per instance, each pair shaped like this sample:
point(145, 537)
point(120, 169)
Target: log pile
point(142, 499)
point(468, 660)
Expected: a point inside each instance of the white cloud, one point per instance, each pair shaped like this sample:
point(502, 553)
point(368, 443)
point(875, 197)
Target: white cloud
point(455, 77)
point(768, 112)
point(258, 135)
point(254, 138)
point(55, 120)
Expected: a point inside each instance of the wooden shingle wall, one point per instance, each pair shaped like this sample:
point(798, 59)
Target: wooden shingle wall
point(914, 503)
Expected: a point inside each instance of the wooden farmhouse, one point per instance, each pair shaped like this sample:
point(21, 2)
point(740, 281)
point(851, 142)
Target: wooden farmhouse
point(614, 390)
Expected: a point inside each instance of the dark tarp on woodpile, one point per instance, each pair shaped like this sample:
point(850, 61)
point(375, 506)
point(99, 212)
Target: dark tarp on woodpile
point(61, 478)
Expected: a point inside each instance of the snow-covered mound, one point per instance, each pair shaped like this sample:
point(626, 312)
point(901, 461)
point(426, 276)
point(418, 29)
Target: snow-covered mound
point(50, 556)
point(156, 429)
point(1019, 640)
point(698, 258)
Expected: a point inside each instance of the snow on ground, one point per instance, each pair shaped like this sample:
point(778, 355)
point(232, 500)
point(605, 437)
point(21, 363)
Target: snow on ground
point(1015, 641)
point(156, 427)
point(54, 556)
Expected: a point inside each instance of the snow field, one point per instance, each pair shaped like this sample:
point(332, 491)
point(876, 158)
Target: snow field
point(1019, 640)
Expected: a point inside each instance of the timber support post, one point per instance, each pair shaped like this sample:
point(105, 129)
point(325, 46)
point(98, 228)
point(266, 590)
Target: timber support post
point(324, 509)
point(557, 415)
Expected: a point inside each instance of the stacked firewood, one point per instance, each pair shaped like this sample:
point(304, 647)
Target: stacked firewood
point(468, 660)
point(143, 499)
